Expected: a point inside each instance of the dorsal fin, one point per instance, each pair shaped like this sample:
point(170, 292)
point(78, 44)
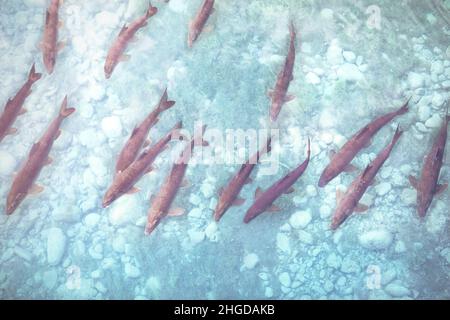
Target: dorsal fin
point(34, 148)
point(362, 131)
point(124, 28)
point(135, 130)
point(47, 17)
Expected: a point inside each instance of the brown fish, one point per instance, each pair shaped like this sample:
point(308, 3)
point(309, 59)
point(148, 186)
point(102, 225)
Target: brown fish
point(50, 45)
point(116, 52)
point(279, 94)
point(340, 161)
point(14, 106)
point(124, 181)
point(140, 133)
point(23, 183)
point(163, 200)
point(349, 202)
point(196, 26)
point(427, 186)
point(228, 196)
point(264, 199)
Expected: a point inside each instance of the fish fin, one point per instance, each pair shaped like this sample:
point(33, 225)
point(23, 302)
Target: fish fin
point(133, 190)
point(47, 17)
point(150, 169)
point(290, 190)
point(221, 191)
point(339, 195)
point(362, 131)
point(274, 208)
point(34, 148)
point(176, 212)
point(238, 202)
point(440, 188)
point(350, 168)
point(147, 142)
point(248, 181)
point(361, 207)
point(331, 154)
point(289, 97)
point(270, 93)
point(368, 143)
point(185, 183)
point(58, 133)
point(22, 111)
point(35, 189)
point(124, 28)
point(125, 57)
point(292, 77)
point(258, 192)
point(60, 24)
point(33, 75)
point(11, 131)
point(61, 45)
point(48, 161)
point(413, 181)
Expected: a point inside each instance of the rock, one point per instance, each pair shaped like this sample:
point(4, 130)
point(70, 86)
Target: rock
point(327, 119)
point(91, 220)
point(334, 261)
point(268, 292)
point(388, 276)
point(334, 54)
point(124, 210)
point(285, 279)
point(211, 231)
point(207, 190)
point(179, 6)
point(312, 78)
point(56, 245)
point(415, 80)
point(112, 127)
point(283, 243)
point(300, 219)
point(195, 213)
point(383, 188)
point(97, 165)
point(437, 67)
point(349, 266)
point(311, 190)
point(106, 19)
point(327, 14)
point(118, 244)
point(376, 239)
point(305, 237)
point(195, 199)
point(349, 56)
point(250, 260)
point(325, 211)
point(437, 100)
point(50, 278)
point(434, 122)
point(196, 236)
point(424, 112)
point(132, 271)
point(396, 290)
point(7, 163)
point(96, 91)
point(349, 72)
point(408, 196)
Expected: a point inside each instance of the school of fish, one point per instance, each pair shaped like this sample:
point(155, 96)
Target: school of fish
point(138, 154)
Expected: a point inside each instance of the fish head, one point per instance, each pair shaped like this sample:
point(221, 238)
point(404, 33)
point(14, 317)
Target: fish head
point(152, 223)
point(49, 60)
point(192, 37)
point(108, 198)
point(13, 201)
point(324, 179)
point(252, 213)
point(109, 68)
point(274, 111)
point(220, 209)
point(423, 203)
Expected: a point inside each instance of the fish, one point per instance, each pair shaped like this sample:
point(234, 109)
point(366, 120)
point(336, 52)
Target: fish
point(279, 94)
point(14, 106)
point(228, 195)
point(427, 185)
point(125, 180)
point(116, 52)
point(50, 45)
point(264, 199)
point(161, 203)
point(23, 183)
point(197, 25)
point(340, 161)
point(139, 135)
point(349, 202)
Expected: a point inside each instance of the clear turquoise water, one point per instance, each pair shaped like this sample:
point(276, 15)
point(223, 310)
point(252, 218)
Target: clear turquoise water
point(61, 244)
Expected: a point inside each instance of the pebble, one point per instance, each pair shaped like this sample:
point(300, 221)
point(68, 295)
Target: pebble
point(251, 260)
point(349, 72)
point(408, 196)
point(118, 244)
point(383, 188)
point(334, 54)
point(327, 14)
point(91, 220)
point(349, 266)
point(50, 278)
point(312, 78)
point(132, 271)
point(195, 199)
point(376, 239)
point(325, 211)
point(123, 210)
point(305, 237)
point(434, 122)
point(388, 276)
point(7, 163)
point(415, 80)
point(285, 279)
point(112, 127)
point(196, 236)
point(334, 261)
point(437, 67)
point(300, 219)
point(349, 56)
point(56, 245)
point(195, 213)
point(283, 243)
point(396, 290)
point(437, 100)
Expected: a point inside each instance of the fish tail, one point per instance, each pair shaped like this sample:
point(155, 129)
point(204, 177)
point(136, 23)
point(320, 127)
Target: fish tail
point(33, 76)
point(309, 148)
point(397, 134)
point(404, 108)
point(174, 134)
point(292, 29)
point(151, 11)
point(164, 103)
point(64, 111)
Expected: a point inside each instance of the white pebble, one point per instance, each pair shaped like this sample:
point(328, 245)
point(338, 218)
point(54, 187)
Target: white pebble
point(376, 239)
point(7, 163)
point(300, 219)
point(312, 78)
point(112, 127)
point(383, 188)
point(415, 80)
point(251, 260)
point(56, 245)
point(285, 279)
point(349, 56)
